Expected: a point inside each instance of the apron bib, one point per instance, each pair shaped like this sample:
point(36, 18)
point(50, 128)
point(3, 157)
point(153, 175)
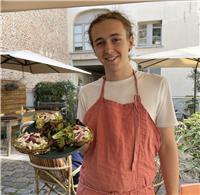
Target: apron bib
point(121, 159)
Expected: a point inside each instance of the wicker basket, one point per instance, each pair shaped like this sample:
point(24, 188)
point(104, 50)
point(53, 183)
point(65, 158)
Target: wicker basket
point(31, 152)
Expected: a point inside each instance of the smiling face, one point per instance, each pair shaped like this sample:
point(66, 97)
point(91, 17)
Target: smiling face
point(111, 45)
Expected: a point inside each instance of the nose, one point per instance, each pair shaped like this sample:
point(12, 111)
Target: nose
point(108, 47)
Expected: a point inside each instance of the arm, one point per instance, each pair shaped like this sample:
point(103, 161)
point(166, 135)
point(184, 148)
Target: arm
point(169, 161)
point(80, 116)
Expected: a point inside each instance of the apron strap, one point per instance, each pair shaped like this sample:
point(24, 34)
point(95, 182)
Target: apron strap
point(136, 83)
point(137, 99)
point(102, 87)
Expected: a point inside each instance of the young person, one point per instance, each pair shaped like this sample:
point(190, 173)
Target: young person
point(132, 117)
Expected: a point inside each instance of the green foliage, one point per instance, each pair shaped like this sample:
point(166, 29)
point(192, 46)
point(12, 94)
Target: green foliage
point(190, 104)
point(191, 76)
point(188, 135)
point(58, 92)
point(53, 92)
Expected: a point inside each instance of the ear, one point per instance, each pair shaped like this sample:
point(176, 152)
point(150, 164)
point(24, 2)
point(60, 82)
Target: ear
point(131, 42)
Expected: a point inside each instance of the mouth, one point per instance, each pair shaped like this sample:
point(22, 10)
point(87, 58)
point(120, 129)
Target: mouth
point(111, 58)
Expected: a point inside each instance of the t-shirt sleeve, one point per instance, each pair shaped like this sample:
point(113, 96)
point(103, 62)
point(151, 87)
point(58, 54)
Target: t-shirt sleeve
point(81, 106)
point(166, 116)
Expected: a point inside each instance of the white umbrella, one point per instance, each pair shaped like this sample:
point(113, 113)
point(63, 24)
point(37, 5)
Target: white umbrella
point(184, 58)
point(20, 5)
point(27, 61)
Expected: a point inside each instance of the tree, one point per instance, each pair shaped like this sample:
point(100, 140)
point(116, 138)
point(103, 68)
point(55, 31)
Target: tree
point(192, 76)
point(195, 75)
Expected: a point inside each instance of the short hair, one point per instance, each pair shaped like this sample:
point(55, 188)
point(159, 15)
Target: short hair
point(115, 15)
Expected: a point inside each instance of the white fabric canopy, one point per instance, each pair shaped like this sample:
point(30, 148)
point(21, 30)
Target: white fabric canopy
point(184, 57)
point(34, 63)
point(22, 5)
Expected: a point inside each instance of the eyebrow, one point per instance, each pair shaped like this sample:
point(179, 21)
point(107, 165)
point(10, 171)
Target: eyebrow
point(112, 35)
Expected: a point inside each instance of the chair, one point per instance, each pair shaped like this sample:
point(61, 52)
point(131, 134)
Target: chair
point(158, 180)
point(190, 189)
point(54, 173)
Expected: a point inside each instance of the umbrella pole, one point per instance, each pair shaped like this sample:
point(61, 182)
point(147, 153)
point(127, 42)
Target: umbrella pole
point(195, 86)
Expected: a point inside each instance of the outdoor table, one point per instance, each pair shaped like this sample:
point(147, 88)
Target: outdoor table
point(10, 121)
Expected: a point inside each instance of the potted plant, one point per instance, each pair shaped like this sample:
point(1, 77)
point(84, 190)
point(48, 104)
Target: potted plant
point(58, 94)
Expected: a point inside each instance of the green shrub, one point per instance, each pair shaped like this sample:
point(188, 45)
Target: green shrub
point(188, 133)
point(58, 92)
point(53, 91)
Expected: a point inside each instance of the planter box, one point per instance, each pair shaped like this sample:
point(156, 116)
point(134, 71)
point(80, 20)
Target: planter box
point(50, 105)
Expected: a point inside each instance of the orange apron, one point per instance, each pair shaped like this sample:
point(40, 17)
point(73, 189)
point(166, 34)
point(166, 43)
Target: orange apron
point(120, 160)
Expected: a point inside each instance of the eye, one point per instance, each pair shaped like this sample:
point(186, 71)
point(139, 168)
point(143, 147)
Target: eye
point(99, 43)
point(116, 40)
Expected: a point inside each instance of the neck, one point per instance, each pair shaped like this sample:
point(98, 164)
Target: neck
point(119, 75)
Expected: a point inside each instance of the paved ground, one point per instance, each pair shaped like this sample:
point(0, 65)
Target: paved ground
point(17, 176)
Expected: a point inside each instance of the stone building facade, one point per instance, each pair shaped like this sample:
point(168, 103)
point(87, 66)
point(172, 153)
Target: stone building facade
point(40, 31)
point(52, 34)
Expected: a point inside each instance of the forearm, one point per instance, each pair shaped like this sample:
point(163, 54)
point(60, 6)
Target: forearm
point(170, 167)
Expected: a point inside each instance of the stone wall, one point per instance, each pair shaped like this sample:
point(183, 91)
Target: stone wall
point(41, 31)
point(30, 80)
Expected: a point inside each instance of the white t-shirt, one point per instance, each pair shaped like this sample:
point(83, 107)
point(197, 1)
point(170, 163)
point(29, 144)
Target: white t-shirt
point(153, 90)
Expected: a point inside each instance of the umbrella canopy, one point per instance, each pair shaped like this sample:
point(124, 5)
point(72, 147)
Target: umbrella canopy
point(185, 58)
point(27, 61)
point(20, 5)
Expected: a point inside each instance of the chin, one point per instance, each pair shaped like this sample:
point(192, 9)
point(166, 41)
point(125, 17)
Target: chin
point(113, 67)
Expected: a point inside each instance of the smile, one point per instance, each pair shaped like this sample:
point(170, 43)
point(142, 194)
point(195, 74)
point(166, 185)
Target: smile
point(110, 59)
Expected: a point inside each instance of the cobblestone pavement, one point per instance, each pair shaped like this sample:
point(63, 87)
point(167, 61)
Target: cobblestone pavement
point(17, 177)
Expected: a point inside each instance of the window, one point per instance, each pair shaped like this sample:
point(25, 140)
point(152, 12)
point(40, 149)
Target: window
point(149, 34)
point(81, 41)
point(81, 38)
point(142, 34)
